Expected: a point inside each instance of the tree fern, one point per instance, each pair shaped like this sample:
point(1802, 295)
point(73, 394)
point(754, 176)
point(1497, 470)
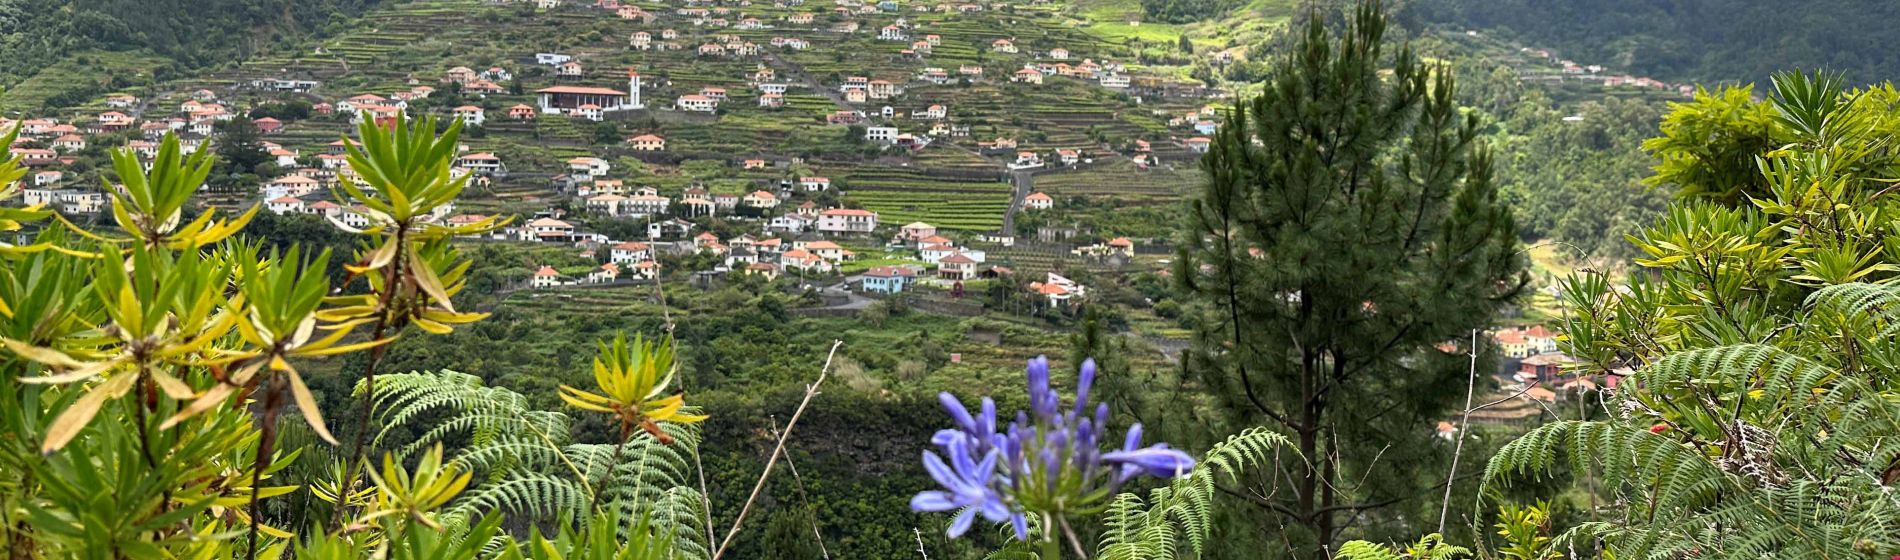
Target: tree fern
point(1174, 521)
point(1782, 450)
point(527, 463)
point(1431, 547)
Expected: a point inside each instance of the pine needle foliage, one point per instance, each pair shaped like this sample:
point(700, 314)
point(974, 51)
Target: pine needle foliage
point(1350, 224)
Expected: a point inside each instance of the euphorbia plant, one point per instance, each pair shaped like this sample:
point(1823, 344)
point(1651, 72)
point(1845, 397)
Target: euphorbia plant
point(401, 181)
point(631, 381)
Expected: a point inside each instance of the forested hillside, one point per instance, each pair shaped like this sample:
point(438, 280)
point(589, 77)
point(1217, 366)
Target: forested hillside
point(1694, 40)
point(1184, 11)
point(35, 34)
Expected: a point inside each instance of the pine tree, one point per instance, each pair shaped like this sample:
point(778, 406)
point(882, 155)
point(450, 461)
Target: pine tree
point(241, 155)
point(1349, 226)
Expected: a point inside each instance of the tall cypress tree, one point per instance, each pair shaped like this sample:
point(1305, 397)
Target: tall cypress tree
point(1348, 228)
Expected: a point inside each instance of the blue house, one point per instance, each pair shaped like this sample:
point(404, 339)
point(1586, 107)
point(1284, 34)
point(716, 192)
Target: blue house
point(887, 279)
point(1205, 127)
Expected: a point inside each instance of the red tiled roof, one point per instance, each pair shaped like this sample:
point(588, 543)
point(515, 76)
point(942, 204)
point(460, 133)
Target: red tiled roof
point(581, 90)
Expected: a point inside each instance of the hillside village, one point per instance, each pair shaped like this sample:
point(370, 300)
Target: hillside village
point(734, 135)
point(919, 160)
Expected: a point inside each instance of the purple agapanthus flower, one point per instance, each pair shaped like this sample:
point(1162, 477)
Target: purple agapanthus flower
point(1048, 461)
point(966, 485)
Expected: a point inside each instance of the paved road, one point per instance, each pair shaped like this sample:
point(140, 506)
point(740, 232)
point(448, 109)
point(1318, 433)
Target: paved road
point(852, 299)
point(793, 72)
point(1024, 182)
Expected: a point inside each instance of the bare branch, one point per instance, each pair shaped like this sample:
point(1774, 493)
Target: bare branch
point(810, 391)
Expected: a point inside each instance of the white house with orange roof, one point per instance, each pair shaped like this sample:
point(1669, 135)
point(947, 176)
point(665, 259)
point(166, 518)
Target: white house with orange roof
point(916, 231)
point(69, 143)
point(644, 270)
point(470, 115)
point(760, 199)
point(47, 177)
point(459, 75)
point(1058, 289)
point(285, 205)
point(933, 250)
point(291, 185)
point(956, 267)
point(847, 220)
point(586, 168)
point(882, 89)
point(647, 204)
point(647, 143)
point(482, 162)
point(697, 103)
point(1038, 201)
point(607, 272)
point(590, 112)
point(1026, 159)
point(803, 260)
point(550, 229)
point(630, 252)
point(829, 251)
point(608, 204)
point(545, 277)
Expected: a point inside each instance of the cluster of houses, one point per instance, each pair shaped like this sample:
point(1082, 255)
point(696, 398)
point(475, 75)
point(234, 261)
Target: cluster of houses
point(790, 238)
point(1108, 74)
point(47, 147)
point(1534, 351)
point(1571, 70)
point(1202, 124)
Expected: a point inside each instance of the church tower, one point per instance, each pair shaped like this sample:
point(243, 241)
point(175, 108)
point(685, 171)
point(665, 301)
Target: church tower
point(633, 90)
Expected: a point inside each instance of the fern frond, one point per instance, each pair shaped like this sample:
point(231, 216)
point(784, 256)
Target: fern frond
point(1154, 529)
point(526, 463)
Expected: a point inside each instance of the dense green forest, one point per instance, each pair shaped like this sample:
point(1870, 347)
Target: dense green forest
point(35, 34)
point(1572, 170)
point(1184, 11)
point(1687, 40)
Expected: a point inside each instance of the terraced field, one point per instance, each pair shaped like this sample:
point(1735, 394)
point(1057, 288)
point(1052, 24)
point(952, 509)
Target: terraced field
point(964, 211)
point(901, 196)
point(1122, 182)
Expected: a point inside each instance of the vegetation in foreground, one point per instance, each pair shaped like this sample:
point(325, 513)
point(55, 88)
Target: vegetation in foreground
point(156, 403)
